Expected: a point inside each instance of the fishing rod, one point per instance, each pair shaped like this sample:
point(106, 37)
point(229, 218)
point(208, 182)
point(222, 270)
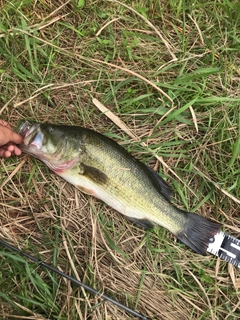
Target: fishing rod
point(73, 280)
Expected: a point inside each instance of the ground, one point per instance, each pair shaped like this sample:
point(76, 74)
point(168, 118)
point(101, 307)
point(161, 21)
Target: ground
point(169, 73)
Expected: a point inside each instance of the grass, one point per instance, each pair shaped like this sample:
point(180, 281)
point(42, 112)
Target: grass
point(170, 71)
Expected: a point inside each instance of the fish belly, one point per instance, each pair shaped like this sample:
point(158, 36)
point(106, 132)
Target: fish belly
point(89, 187)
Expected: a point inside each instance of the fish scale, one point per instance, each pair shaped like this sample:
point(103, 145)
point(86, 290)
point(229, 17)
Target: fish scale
point(100, 167)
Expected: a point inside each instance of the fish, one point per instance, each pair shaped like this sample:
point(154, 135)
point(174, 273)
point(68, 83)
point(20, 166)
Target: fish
point(100, 167)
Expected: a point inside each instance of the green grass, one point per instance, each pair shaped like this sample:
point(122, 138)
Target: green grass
point(54, 58)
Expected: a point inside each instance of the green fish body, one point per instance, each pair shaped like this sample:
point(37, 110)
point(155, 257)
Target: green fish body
point(100, 167)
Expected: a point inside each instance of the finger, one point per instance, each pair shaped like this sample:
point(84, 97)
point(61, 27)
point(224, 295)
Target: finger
point(17, 151)
point(15, 137)
point(9, 150)
point(5, 124)
point(10, 147)
point(7, 135)
point(5, 153)
point(14, 149)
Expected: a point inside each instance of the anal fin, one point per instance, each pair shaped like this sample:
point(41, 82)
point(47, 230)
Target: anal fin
point(144, 223)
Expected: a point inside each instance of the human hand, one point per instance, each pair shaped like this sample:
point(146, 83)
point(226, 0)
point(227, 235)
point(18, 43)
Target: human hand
point(8, 141)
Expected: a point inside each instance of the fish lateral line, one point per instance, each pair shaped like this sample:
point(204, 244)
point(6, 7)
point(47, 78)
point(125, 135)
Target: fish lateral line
point(145, 195)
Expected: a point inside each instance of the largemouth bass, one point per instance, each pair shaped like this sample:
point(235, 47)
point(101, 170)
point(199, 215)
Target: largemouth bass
point(100, 167)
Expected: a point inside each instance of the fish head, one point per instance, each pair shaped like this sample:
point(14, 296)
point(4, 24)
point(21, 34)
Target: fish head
point(58, 147)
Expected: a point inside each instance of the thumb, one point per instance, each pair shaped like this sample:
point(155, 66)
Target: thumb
point(15, 137)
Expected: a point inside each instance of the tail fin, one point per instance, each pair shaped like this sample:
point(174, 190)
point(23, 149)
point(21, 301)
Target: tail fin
point(197, 232)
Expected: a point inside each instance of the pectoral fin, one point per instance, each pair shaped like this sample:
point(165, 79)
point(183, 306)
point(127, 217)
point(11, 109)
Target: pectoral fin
point(93, 174)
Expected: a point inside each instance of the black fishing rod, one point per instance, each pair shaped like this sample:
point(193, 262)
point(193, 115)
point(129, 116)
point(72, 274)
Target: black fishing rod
point(73, 280)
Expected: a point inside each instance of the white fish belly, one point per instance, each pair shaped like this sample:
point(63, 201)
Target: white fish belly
point(89, 187)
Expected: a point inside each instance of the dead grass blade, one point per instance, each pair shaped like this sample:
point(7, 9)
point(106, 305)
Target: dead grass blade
point(97, 61)
point(194, 117)
point(105, 26)
point(203, 290)
point(13, 172)
point(115, 119)
point(217, 186)
point(39, 27)
point(8, 103)
point(168, 46)
point(52, 86)
point(198, 29)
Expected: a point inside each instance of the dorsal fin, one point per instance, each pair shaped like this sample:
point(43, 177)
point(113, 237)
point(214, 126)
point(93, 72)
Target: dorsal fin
point(160, 183)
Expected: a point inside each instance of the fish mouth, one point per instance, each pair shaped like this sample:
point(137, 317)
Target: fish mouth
point(24, 128)
point(33, 137)
point(33, 143)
